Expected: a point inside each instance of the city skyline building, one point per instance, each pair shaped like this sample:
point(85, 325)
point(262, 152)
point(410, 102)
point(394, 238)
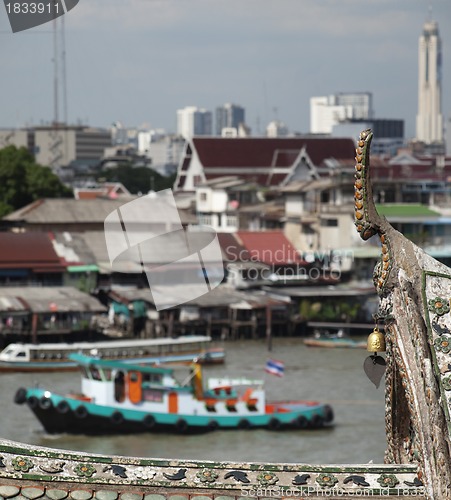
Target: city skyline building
point(429, 120)
point(229, 116)
point(327, 111)
point(57, 147)
point(276, 128)
point(388, 133)
point(192, 121)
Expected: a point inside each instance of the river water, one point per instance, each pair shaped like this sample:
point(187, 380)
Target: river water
point(329, 375)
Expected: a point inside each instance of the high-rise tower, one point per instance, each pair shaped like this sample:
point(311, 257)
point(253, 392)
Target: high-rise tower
point(429, 117)
point(229, 115)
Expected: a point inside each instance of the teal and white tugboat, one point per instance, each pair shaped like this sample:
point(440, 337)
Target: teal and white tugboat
point(119, 397)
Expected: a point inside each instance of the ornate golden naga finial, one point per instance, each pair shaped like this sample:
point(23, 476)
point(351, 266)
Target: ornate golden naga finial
point(368, 222)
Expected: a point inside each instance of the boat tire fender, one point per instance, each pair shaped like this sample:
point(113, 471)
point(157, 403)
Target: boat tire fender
point(301, 422)
point(328, 414)
point(149, 422)
point(317, 421)
point(274, 424)
point(81, 412)
point(21, 396)
point(33, 402)
point(212, 425)
point(243, 424)
point(45, 403)
point(181, 425)
point(117, 418)
point(62, 407)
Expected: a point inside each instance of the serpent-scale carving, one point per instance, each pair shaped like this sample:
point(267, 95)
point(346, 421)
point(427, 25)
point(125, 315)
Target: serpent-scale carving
point(417, 404)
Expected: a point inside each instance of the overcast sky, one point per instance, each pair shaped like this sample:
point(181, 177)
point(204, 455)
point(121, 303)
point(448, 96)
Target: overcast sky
point(138, 61)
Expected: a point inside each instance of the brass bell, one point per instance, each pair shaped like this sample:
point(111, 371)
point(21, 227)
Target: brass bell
point(376, 341)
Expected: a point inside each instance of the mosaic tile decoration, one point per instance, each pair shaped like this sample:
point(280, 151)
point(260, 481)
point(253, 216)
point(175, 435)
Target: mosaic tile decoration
point(436, 298)
point(29, 472)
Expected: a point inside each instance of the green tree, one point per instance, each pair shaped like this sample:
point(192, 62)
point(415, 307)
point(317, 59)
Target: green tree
point(22, 180)
point(137, 179)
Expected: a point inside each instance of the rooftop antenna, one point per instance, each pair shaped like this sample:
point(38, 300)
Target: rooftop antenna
point(55, 138)
point(55, 73)
point(63, 69)
point(64, 89)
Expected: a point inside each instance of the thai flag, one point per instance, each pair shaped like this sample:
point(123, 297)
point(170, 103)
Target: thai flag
point(275, 367)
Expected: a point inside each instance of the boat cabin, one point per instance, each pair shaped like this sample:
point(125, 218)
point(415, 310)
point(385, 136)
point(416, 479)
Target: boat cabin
point(154, 389)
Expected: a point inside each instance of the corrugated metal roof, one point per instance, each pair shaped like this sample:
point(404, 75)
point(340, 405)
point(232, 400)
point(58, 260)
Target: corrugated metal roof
point(221, 296)
point(48, 299)
point(59, 211)
point(304, 186)
point(344, 290)
point(72, 248)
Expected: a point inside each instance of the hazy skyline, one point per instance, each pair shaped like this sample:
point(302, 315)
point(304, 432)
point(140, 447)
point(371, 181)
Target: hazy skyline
point(138, 61)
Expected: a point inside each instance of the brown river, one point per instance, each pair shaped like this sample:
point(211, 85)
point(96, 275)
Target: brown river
point(334, 376)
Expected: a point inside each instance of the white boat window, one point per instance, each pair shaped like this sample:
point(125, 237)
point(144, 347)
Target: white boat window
point(153, 395)
point(21, 354)
point(154, 378)
point(95, 373)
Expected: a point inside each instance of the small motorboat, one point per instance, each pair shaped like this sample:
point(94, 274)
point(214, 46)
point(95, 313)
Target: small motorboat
point(118, 397)
point(338, 339)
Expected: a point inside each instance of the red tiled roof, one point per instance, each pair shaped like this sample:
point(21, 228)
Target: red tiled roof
point(232, 249)
point(105, 189)
point(28, 251)
point(89, 195)
point(264, 160)
point(269, 247)
point(266, 152)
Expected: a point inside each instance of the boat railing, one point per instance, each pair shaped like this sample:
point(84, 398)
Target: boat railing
point(221, 394)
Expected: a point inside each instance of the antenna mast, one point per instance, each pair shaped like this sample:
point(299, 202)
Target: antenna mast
point(55, 73)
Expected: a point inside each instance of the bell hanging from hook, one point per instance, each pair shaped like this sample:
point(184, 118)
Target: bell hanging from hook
point(374, 365)
point(376, 341)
